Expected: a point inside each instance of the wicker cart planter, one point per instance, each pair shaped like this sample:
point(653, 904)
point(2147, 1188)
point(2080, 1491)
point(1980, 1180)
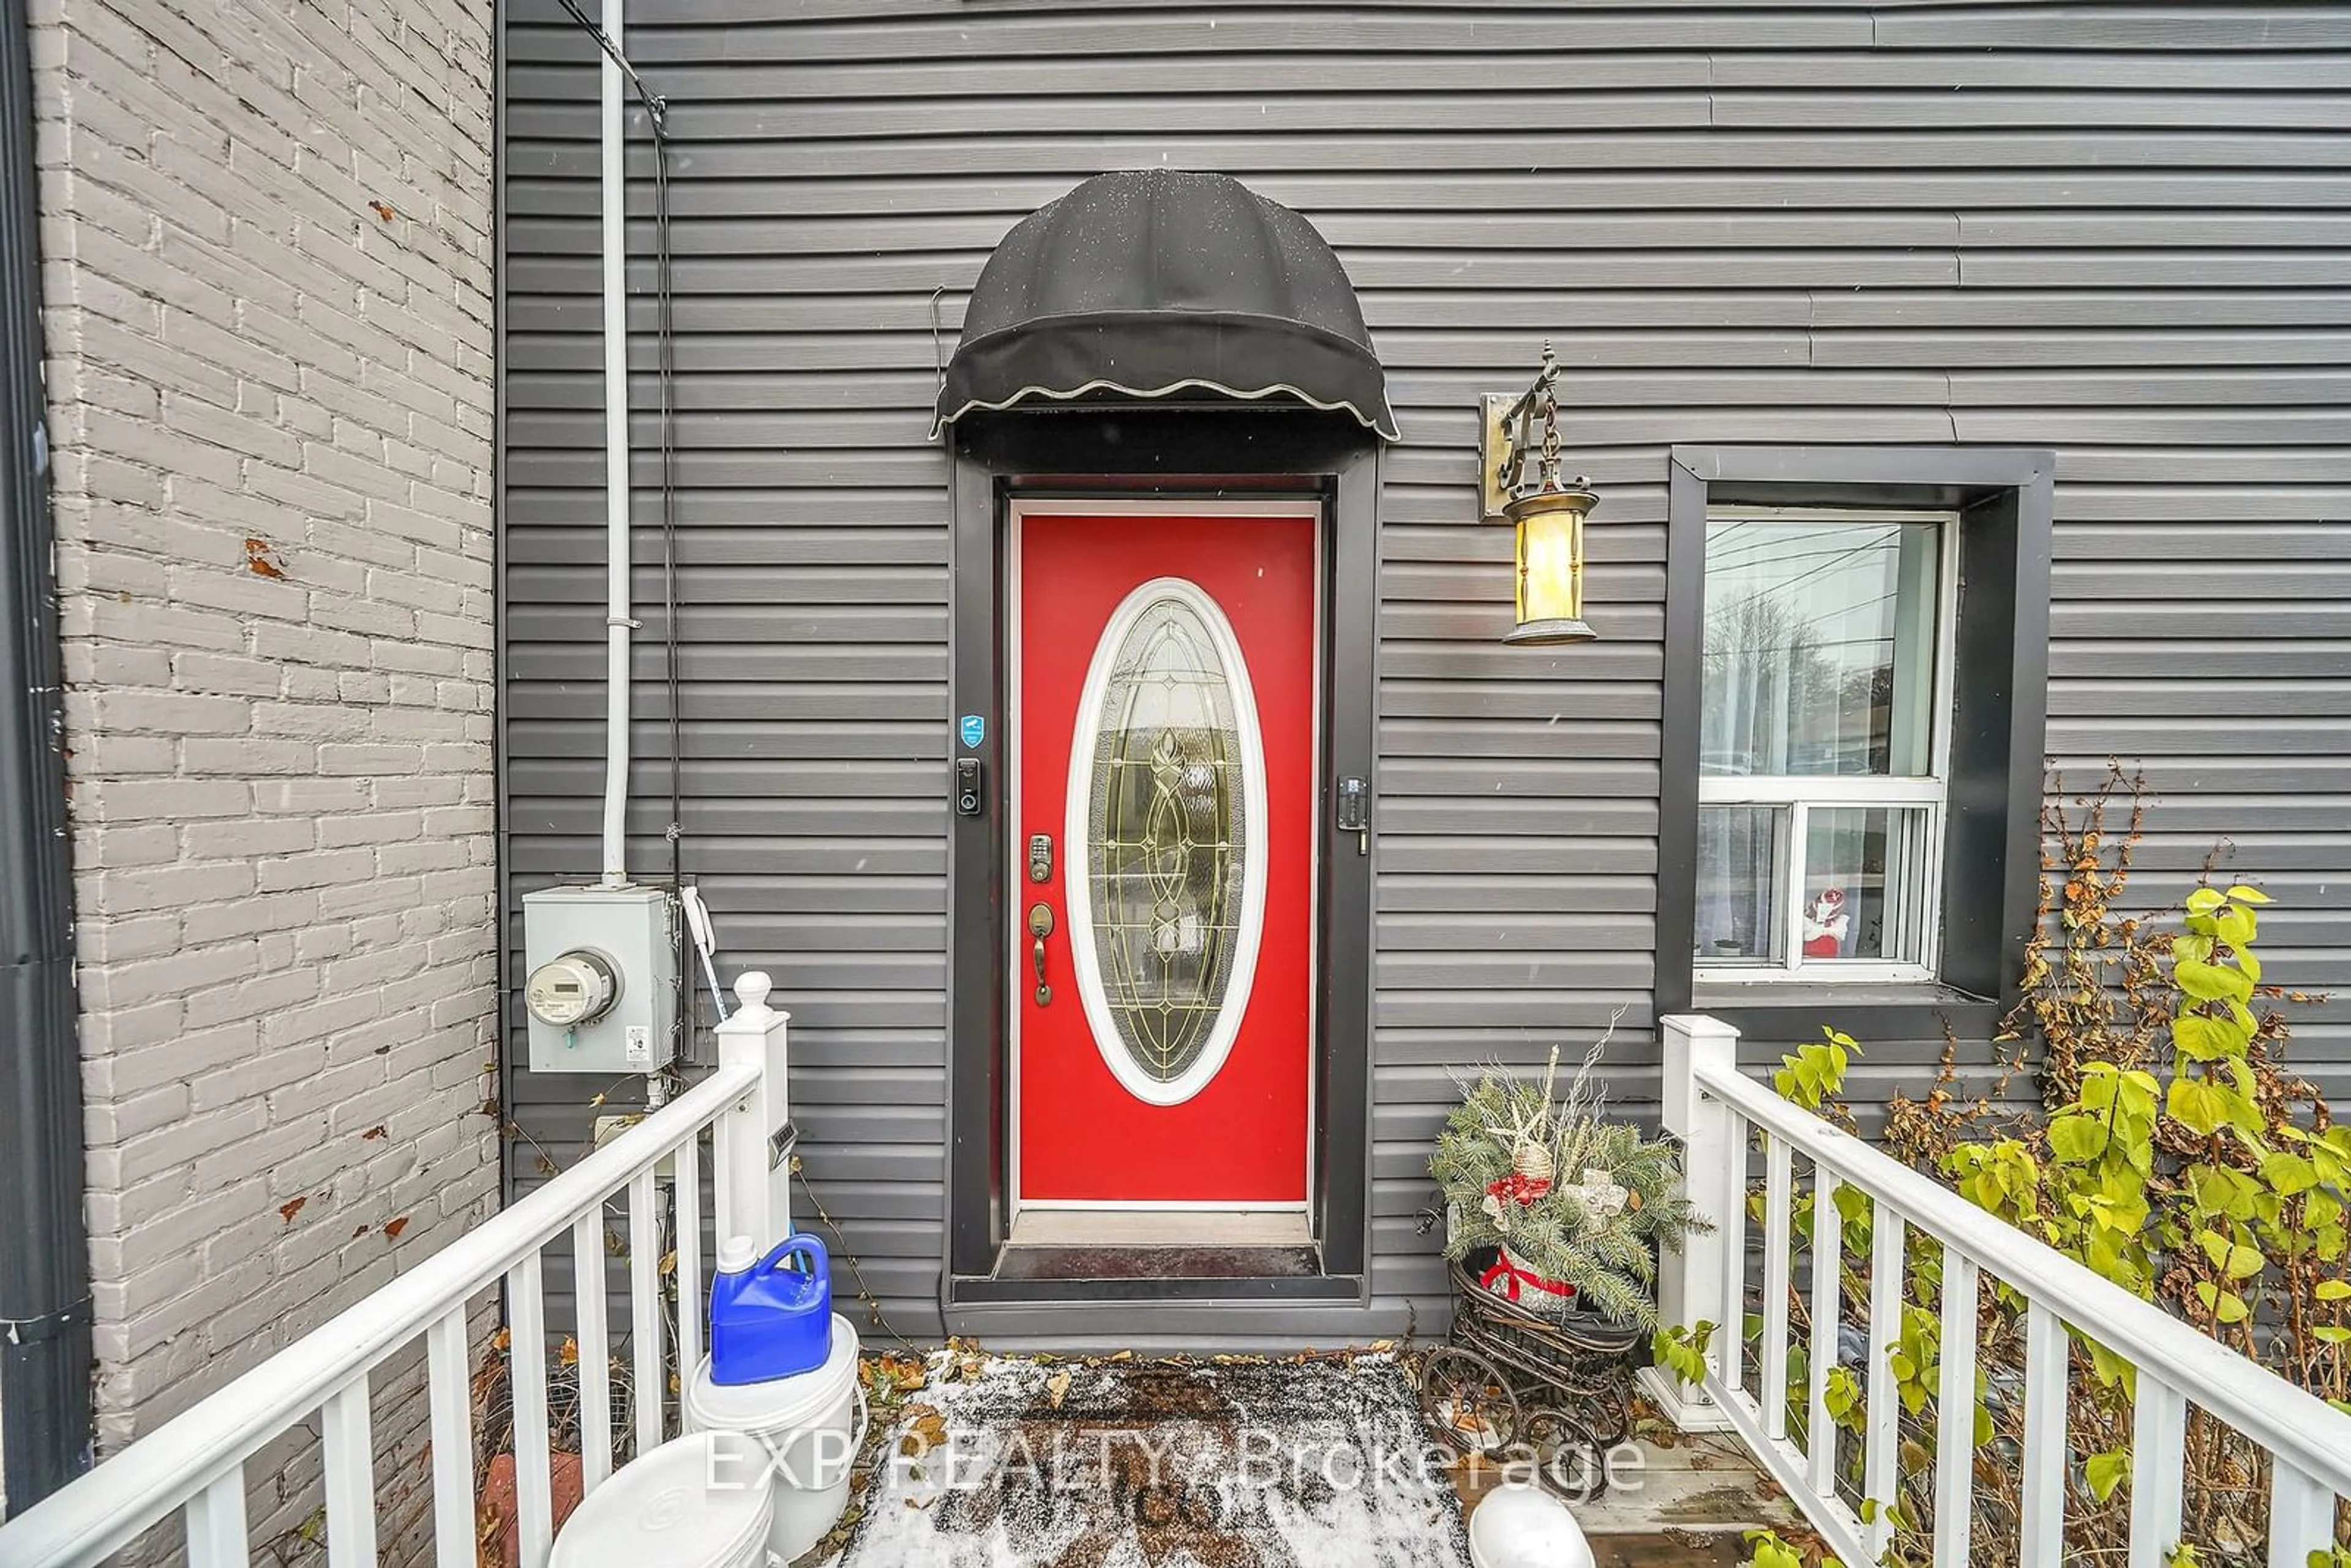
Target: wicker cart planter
point(1534, 1176)
point(1509, 1379)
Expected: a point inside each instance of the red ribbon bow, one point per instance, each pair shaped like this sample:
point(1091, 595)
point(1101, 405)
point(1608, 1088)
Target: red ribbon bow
point(1506, 1278)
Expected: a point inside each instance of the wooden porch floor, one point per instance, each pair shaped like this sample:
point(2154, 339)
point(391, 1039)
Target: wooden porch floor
point(1694, 1498)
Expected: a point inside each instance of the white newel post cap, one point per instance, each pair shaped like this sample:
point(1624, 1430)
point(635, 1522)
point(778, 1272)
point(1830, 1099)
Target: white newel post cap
point(751, 989)
point(1526, 1527)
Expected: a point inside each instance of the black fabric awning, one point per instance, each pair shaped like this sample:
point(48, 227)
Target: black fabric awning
point(1153, 284)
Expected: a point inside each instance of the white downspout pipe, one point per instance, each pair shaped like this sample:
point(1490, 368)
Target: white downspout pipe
point(617, 622)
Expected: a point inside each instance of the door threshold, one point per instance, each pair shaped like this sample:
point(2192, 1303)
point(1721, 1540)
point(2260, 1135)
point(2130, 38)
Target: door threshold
point(1096, 1254)
point(1079, 1275)
point(1156, 1264)
point(1199, 1229)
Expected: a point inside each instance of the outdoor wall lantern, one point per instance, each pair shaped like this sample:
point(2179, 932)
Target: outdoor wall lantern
point(1547, 510)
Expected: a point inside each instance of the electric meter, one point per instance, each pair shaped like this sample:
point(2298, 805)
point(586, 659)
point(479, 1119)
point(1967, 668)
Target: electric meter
point(600, 979)
point(570, 989)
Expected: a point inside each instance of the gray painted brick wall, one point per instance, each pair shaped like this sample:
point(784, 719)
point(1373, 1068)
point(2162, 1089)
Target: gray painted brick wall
point(266, 257)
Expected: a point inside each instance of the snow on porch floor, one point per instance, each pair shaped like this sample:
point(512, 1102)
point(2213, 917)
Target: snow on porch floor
point(1683, 1502)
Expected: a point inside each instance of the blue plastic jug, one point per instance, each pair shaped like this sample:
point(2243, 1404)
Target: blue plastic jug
point(766, 1320)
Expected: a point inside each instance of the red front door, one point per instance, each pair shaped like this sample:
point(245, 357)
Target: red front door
point(1165, 729)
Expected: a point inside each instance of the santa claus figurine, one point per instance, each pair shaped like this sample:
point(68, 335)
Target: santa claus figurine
point(1824, 921)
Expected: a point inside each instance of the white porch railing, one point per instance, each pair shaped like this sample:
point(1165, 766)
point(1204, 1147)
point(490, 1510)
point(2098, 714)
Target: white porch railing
point(195, 1464)
point(1715, 1109)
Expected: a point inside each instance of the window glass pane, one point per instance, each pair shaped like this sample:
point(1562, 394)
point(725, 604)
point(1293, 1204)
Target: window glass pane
point(1739, 855)
point(1166, 836)
point(1819, 646)
point(1864, 883)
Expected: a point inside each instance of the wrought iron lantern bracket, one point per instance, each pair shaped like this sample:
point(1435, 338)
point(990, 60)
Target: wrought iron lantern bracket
point(1512, 441)
point(1546, 509)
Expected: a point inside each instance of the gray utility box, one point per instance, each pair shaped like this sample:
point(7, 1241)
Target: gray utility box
point(619, 944)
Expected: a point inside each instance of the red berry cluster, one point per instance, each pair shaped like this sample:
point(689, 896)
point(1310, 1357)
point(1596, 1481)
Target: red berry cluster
point(1521, 1190)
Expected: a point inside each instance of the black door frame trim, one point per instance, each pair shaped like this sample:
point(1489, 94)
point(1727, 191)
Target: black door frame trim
point(1183, 453)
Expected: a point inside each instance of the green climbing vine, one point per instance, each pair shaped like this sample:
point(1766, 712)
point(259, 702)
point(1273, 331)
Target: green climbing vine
point(2173, 1153)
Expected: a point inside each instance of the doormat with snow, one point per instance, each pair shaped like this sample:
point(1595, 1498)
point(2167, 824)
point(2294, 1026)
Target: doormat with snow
point(1229, 1463)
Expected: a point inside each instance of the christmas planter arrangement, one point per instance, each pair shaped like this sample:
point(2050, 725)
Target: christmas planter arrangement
point(1554, 1215)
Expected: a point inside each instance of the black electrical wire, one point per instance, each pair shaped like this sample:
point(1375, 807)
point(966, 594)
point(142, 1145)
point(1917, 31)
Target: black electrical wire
point(654, 106)
point(664, 372)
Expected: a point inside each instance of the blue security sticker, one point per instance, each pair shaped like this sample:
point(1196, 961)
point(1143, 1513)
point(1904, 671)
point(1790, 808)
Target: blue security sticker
point(974, 729)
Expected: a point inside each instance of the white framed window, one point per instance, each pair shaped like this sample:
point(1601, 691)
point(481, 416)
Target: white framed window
point(1824, 743)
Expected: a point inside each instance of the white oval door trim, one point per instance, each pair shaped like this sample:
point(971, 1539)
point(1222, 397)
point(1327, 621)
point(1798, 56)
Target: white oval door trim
point(1102, 1010)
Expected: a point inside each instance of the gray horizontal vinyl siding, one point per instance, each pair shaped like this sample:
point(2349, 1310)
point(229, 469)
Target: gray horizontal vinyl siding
point(2119, 231)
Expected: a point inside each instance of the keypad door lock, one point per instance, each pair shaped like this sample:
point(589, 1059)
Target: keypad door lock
point(1040, 857)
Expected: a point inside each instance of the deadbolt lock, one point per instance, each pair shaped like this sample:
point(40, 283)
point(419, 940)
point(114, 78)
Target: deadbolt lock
point(1040, 857)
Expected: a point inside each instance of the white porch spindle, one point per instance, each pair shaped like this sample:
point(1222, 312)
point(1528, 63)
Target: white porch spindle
point(1778, 1209)
point(216, 1524)
point(1732, 1204)
point(1881, 1405)
point(687, 1276)
point(2047, 1352)
point(1828, 1242)
point(645, 1333)
point(2159, 1451)
point(754, 1189)
point(2301, 1516)
point(1955, 1413)
point(350, 1477)
point(595, 1349)
point(448, 1376)
point(527, 1382)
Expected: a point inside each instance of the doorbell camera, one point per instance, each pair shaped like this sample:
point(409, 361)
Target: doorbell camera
point(966, 780)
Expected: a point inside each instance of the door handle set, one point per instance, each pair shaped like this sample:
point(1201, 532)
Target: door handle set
point(1040, 925)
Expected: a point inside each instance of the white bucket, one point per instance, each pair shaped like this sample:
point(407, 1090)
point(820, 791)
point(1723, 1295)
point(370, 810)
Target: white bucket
point(807, 1428)
point(694, 1502)
point(1523, 1526)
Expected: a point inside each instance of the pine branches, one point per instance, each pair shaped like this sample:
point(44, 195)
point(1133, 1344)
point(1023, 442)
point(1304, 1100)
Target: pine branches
point(1606, 1198)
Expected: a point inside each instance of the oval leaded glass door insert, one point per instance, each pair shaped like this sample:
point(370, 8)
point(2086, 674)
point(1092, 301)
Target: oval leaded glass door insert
point(1167, 888)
